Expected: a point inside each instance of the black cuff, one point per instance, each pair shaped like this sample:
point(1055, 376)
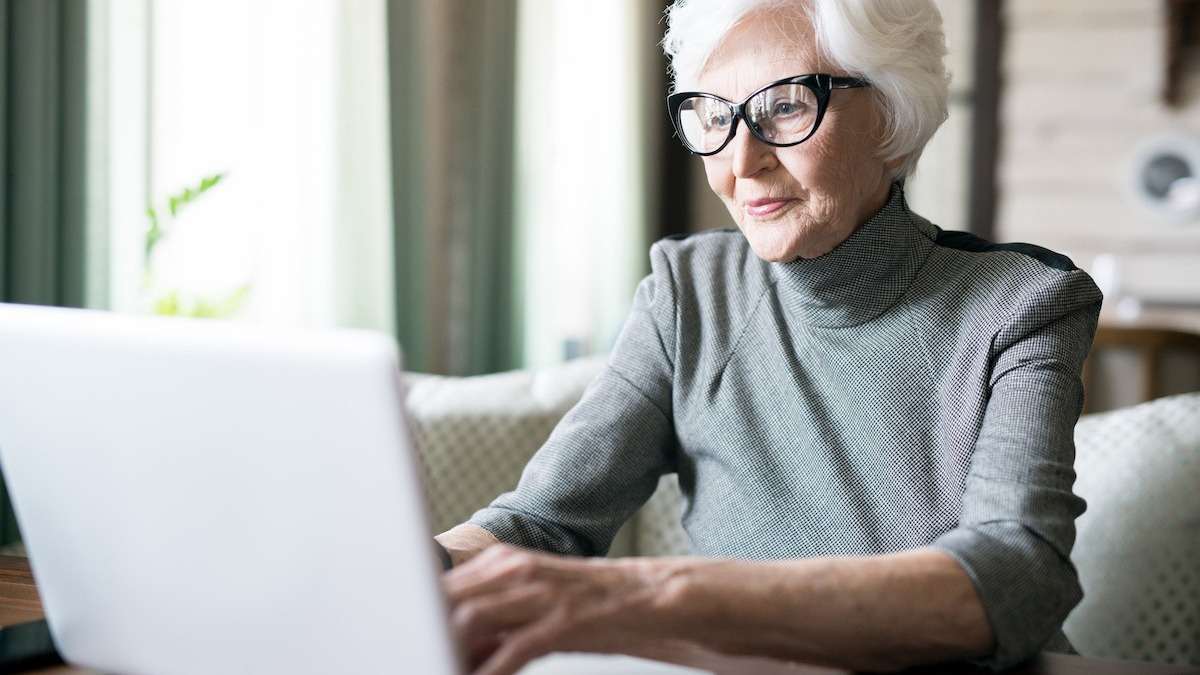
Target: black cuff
point(443, 555)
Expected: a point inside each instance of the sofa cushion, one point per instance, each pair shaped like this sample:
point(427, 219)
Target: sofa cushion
point(657, 528)
point(476, 434)
point(1138, 546)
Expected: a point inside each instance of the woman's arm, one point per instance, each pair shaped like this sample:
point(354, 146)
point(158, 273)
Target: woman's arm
point(1016, 527)
point(864, 613)
point(604, 458)
point(877, 613)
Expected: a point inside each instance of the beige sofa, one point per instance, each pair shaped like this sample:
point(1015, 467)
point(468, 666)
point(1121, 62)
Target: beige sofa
point(477, 433)
point(1138, 548)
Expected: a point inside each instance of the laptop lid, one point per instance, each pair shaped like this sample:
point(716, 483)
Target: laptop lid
point(199, 496)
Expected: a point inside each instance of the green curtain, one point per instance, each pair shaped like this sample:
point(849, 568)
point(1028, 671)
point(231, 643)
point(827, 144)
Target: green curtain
point(453, 65)
point(43, 66)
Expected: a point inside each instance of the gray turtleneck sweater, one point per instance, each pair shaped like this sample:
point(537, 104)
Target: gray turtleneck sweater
point(913, 387)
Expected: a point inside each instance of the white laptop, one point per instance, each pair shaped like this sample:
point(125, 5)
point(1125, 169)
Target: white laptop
point(201, 496)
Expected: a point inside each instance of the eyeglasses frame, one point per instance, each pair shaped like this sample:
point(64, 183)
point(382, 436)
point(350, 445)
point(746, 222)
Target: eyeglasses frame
point(821, 84)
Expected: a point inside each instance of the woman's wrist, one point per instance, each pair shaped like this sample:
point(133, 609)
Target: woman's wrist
point(443, 555)
point(667, 604)
point(464, 542)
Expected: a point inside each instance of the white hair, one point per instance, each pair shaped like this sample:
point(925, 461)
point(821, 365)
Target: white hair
point(897, 45)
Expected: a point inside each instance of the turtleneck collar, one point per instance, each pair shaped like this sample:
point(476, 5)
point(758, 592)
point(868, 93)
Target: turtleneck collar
point(864, 275)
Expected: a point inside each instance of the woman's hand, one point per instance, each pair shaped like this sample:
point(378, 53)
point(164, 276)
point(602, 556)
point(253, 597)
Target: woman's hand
point(511, 606)
point(870, 613)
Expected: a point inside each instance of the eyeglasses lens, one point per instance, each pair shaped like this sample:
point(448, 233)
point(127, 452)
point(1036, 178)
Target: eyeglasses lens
point(783, 114)
point(704, 122)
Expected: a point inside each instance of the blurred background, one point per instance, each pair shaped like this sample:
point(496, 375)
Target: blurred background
point(483, 179)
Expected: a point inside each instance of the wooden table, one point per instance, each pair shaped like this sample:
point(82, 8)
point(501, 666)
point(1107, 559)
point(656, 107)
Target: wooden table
point(19, 602)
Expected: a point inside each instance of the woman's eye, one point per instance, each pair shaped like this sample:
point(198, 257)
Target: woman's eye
point(785, 108)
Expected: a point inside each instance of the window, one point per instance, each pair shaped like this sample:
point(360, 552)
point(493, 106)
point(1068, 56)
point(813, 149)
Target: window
point(583, 185)
point(287, 100)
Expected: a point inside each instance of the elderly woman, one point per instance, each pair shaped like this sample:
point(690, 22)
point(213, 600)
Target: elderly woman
point(871, 418)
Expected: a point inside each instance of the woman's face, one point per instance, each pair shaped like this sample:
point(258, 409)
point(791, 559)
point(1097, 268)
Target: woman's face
point(801, 201)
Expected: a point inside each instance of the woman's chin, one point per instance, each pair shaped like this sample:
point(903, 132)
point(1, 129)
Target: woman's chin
point(773, 243)
point(774, 252)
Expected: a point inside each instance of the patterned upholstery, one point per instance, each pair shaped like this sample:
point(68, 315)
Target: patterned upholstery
point(1138, 548)
point(477, 433)
point(657, 530)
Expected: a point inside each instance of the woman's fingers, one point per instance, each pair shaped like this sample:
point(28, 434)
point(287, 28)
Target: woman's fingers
point(498, 567)
point(499, 595)
point(520, 647)
point(481, 618)
point(513, 605)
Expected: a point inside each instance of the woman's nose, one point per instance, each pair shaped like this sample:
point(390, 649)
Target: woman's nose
point(750, 155)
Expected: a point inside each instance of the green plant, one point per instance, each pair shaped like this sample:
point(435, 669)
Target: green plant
point(173, 301)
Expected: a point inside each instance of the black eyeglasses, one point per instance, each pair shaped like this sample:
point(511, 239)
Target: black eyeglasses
point(782, 113)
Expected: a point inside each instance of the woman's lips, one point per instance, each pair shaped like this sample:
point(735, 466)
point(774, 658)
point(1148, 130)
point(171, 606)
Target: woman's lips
point(760, 208)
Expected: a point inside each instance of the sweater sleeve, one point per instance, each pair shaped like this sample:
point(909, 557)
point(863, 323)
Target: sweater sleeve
point(1017, 523)
point(604, 459)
